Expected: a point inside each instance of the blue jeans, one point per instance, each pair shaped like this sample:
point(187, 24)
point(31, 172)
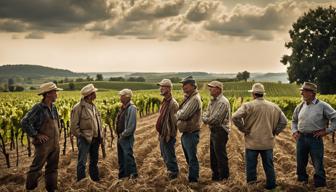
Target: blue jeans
point(127, 165)
point(168, 154)
point(267, 161)
point(85, 148)
point(306, 145)
point(189, 145)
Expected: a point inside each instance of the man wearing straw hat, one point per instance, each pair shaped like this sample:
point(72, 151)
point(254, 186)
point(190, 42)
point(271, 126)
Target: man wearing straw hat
point(166, 127)
point(126, 125)
point(189, 124)
point(309, 124)
point(42, 124)
point(217, 117)
point(260, 121)
point(86, 126)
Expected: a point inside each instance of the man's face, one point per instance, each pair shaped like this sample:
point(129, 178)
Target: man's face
point(92, 96)
point(52, 95)
point(307, 95)
point(214, 91)
point(188, 88)
point(124, 99)
point(164, 90)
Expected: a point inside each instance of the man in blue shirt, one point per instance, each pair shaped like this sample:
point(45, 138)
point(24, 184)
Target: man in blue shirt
point(312, 119)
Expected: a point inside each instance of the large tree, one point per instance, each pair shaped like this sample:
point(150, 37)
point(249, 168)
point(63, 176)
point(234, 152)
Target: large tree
point(313, 45)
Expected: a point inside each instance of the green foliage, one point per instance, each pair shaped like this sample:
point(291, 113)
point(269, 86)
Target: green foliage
point(313, 45)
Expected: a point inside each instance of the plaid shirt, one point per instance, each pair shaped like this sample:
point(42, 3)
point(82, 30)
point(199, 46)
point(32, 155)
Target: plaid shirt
point(33, 120)
point(218, 113)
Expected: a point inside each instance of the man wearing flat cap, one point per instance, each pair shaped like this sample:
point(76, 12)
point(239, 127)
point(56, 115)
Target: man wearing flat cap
point(42, 124)
point(312, 119)
point(166, 127)
point(217, 118)
point(126, 125)
point(189, 123)
point(86, 125)
point(260, 121)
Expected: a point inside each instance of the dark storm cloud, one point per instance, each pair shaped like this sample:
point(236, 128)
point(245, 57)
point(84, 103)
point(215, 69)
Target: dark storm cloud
point(54, 15)
point(172, 20)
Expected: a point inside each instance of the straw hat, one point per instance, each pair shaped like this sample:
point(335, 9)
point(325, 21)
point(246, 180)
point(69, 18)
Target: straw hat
point(47, 87)
point(126, 92)
point(257, 88)
point(87, 90)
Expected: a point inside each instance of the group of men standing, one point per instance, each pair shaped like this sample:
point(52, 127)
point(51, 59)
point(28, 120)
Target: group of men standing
point(259, 120)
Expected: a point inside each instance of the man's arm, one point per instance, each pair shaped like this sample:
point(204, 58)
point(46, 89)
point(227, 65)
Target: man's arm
point(219, 113)
point(282, 123)
point(188, 110)
point(29, 121)
point(130, 122)
point(74, 121)
point(238, 118)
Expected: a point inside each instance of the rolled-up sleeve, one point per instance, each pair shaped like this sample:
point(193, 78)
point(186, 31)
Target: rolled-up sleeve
point(130, 122)
point(31, 121)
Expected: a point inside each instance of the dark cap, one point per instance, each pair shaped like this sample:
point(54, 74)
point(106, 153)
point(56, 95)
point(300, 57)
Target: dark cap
point(189, 80)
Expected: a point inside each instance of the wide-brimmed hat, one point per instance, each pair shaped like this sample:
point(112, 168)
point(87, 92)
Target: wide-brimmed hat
point(47, 87)
point(126, 92)
point(309, 86)
point(216, 84)
point(165, 83)
point(257, 88)
point(189, 80)
point(88, 89)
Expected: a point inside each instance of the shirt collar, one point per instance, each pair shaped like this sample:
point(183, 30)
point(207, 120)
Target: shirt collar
point(216, 98)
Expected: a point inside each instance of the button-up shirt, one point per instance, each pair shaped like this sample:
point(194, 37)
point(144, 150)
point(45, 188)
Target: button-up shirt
point(33, 120)
point(313, 117)
point(218, 113)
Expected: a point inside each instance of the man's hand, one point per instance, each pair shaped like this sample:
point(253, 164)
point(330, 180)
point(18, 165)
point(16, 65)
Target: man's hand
point(320, 133)
point(296, 135)
point(41, 138)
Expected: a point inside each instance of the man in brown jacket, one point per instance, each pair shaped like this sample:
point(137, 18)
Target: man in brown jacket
point(260, 121)
point(189, 123)
point(86, 126)
point(166, 127)
point(42, 124)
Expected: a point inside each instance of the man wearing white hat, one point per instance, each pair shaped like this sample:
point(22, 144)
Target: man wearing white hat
point(166, 127)
point(217, 117)
point(42, 124)
point(86, 125)
point(126, 125)
point(260, 121)
point(309, 125)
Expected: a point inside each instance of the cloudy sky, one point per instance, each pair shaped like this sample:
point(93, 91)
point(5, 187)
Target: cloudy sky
point(221, 36)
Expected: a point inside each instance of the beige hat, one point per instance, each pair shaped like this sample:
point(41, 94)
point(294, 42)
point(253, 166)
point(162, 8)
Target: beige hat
point(165, 83)
point(257, 88)
point(216, 84)
point(46, 87)
point(87, 90)
point(309, 86)
point(126, 92)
